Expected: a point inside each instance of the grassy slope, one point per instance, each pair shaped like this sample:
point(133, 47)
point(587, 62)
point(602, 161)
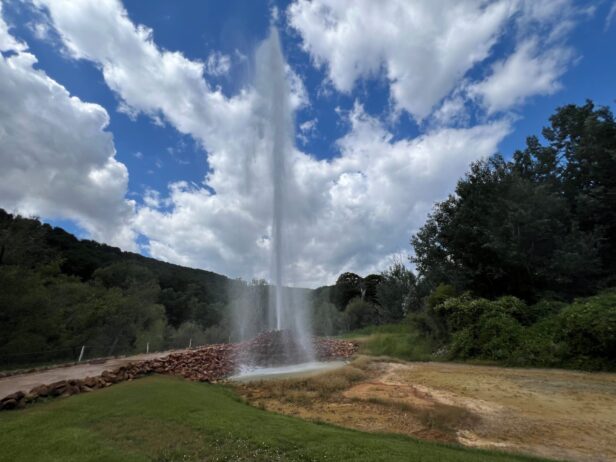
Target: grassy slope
point(167, 419)
point(395, 340)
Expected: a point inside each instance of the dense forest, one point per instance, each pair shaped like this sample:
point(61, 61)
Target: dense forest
point(58, 293)
point(517, 266)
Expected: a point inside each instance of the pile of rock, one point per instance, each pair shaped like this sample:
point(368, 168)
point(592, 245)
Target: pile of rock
point(273, 348)
point(206, 364)
point(19, 399)
point(328, 349)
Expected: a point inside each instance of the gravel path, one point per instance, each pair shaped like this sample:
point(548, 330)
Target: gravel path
point(27, 381)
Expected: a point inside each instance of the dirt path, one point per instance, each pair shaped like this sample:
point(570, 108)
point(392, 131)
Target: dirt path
point(557, 414)
point(27, 381)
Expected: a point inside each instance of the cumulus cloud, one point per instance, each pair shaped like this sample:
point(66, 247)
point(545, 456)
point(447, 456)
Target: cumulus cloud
point(363, 205)
point(527, 72)
point(7, 41)
point(424, 48)
point(352, 212)
point(218, 64)
point(57, 159)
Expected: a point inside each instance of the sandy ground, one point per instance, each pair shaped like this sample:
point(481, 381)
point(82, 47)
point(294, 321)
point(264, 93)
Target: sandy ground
point(26, 382)
point(550, 413)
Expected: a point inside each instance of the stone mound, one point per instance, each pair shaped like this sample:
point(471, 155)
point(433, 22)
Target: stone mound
point(206, 364)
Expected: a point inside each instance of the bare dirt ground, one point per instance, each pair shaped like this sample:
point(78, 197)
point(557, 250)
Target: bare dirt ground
point(27, 381)
point(549, 413)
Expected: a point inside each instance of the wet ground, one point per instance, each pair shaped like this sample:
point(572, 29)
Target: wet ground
point(551, 413)
point(284, 372)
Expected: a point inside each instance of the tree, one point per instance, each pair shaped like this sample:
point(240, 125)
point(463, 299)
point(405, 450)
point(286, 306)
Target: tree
point(369, 287)
point(348, 286)
point(542, 223)
point(397, 292)
point(361, 313)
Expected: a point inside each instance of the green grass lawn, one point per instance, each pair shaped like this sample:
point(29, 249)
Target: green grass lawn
point(168, 419)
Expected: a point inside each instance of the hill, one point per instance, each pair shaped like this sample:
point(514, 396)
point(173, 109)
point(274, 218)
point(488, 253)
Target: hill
point(59, 293)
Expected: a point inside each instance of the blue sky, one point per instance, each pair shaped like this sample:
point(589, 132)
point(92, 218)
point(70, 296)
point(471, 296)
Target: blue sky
point(391, 103)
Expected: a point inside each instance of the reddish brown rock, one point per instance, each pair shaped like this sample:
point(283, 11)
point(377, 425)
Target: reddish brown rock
point(206, 364)
point(58, 388)
point(40, 390)
point(18, 395)
point(8, 404)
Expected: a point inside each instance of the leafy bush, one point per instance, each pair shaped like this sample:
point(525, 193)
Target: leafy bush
point(588, 327)
point(549, 333)
point(408, 346)
point(539, 346)
point(440, 295)
point(464, 311)
point(361, 313)
point(494, 337)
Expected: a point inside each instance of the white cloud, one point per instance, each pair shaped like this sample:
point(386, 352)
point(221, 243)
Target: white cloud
point(349, 213)
point(610, 16)
point(57, 159)
point(299, 95)
point(361, 207)
point(151, 198)
point(424, 48)
point(307, 129)
point(40, 30)
point(148, 80)
point(217, 64)
point(7, 41)
point(452, 112)
point(527, 72)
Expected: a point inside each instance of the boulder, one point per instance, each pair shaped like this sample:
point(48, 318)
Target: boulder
point(8, 404)
point(58, 388)
point(40, 390)
point(14, 396)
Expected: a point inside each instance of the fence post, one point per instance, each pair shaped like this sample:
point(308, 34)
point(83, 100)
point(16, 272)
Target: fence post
point(83, 347)
point(190, 344)
point(147, 347)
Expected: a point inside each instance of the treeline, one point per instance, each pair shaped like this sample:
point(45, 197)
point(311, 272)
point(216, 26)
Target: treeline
point(355, 302)
point(58, 293)
point(518, 264)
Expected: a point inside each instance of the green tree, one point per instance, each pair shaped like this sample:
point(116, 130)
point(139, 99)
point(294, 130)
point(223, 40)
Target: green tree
point(361, 313)
point(397, 292)
point(347, 287)
point(543, 223)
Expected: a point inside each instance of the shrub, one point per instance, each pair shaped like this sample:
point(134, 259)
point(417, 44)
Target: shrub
point(464, 311)
point(544, 309)
point(494, 337)
point(404, 346)
point(441, 294)
point(361, 313)
point(539, 346)
point(498, 335)
point(426, 324)
point(588, 326)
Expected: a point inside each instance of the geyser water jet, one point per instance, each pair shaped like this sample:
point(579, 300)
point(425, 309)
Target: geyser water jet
point(286, 310)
